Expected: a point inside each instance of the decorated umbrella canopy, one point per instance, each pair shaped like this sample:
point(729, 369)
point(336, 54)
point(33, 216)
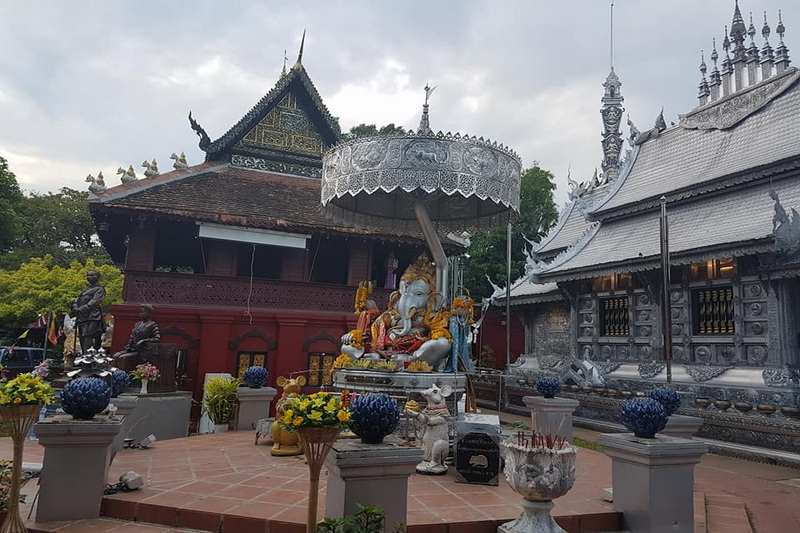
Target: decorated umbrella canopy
point(460, 182)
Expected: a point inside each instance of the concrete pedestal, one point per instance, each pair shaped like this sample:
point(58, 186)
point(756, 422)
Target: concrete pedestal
point(165, 415)
point(682, 426)
point(253, 406)
point(370, 474)
point(77, 455)
point(125, 406)
point(653, 481)
point(551, 415)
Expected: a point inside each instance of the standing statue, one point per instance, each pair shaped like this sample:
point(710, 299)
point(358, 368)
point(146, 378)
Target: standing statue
point(143, 345)
point(434, 422)
point(414, 327)
point(87, 311)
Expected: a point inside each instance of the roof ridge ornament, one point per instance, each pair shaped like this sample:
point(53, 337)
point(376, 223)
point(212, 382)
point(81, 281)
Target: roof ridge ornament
point(299, 64)
point(424, 122)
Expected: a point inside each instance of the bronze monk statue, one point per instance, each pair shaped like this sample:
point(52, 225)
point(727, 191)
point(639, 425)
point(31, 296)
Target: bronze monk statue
point(143, 345)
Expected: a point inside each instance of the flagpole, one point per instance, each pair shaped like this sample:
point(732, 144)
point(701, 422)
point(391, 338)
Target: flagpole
point(46, 331)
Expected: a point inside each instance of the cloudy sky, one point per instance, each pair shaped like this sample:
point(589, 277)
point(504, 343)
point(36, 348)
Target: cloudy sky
point(94, 85)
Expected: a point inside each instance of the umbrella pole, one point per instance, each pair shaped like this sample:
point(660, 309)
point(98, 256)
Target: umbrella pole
point(434, 245)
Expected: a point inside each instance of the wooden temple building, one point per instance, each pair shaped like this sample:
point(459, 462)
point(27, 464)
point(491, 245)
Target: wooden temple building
point(238, 258)
point(729, 174)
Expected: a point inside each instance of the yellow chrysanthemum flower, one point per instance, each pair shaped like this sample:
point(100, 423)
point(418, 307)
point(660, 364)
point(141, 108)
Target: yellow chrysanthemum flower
point(343, 416)
point(297, 421)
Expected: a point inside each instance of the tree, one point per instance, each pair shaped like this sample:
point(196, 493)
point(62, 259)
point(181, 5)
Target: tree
point(487, 251)
point(371, 130)
point(41, 285)
point(10, 200)
point(58, 224)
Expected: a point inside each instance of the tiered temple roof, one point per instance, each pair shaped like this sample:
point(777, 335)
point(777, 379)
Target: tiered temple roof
point(716, 169)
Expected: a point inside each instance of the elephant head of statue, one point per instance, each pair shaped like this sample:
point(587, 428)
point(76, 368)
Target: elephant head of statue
point(417, 295)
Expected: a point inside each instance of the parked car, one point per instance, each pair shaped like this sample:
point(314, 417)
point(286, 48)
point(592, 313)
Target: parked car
point(21, 359)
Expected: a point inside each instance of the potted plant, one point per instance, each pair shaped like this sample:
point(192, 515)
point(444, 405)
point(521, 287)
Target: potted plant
point(21, 401)
point(220, 400)
point(319, 418)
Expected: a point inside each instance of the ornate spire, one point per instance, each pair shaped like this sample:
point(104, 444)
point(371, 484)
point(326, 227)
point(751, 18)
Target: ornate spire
point(738, 31)
point(781, 53)
point(424, 123)
point(299, 64)
point(752, 55)
point(611, 113)
point(767, 56)
point(704, 89)
point(715, 77)
point(727, 69)
point(285, 59)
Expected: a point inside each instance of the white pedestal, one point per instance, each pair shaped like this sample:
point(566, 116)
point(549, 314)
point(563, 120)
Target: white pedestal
point(77, 455)
point(370, 474)
point(682, 426)
point(253, 406)
point(551, 415)
point(653, 481)
point(534, 519)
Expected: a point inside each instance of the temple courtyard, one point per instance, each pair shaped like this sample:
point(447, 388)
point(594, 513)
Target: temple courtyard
point(225, 483)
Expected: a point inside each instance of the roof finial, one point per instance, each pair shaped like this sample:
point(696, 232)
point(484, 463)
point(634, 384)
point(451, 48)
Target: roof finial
point(780, 30)
point(299, 63)
point(765, 31)
point(751, 31)
point(424, 124)
point(285, 59)
point(611, 38)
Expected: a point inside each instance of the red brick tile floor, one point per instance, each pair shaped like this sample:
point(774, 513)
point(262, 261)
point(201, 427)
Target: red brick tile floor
point(226, 483)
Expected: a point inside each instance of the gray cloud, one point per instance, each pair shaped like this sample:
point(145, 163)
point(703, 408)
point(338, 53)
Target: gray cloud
point(86, 86)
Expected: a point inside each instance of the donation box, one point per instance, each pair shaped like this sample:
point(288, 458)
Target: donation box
point(477, 450)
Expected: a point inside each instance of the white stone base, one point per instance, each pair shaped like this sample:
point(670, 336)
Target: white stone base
point(535, 519)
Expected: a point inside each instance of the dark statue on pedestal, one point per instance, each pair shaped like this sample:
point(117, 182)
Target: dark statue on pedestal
point(145, 346)
point(87, 311)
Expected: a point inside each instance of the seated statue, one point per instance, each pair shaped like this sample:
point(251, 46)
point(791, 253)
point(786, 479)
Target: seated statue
point(143, 345)
point(414, 327)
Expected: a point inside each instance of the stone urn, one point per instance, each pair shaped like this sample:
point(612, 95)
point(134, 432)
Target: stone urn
point(540, 475)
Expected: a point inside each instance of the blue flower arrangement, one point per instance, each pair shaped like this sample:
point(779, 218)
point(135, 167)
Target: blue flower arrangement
point(255, 377)
point(120, 381)
point(85, 397)
point(644, 417)
point(548, 386)
point(373, 416)
point(668, 398)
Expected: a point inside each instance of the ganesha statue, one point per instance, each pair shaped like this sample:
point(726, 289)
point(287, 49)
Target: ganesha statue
point(414, 327)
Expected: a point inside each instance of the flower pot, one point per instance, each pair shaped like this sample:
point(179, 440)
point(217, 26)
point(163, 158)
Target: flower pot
point(373, 416)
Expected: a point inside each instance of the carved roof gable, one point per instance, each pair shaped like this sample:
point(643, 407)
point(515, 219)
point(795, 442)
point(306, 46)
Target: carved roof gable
point(289, 124)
